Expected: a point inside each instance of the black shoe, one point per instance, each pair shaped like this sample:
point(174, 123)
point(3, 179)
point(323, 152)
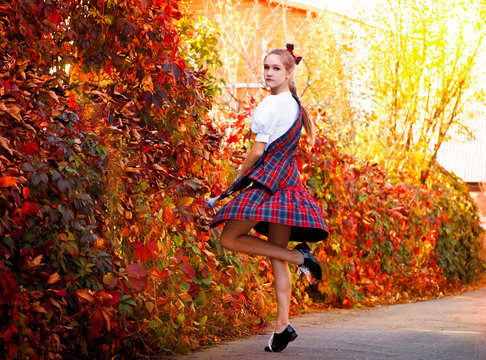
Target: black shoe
point(310, 264)
point(279, 341)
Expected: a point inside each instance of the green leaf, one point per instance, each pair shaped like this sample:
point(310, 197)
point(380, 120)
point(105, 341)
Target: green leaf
point(184, 286)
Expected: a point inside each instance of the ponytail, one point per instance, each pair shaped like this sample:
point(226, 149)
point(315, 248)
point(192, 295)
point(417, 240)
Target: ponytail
point(310, 128)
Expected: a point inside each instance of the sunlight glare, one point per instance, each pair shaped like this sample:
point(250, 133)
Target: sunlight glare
point(352, 8)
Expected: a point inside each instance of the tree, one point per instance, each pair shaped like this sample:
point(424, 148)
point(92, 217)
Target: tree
point(422, 63)
point(249, 29)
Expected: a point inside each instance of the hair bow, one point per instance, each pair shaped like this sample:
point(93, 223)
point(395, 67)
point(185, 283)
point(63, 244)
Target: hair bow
point(290, 49)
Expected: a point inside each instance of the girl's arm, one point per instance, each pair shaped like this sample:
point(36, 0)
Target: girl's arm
point(254, 154)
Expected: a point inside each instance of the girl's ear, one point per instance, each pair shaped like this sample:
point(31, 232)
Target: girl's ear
point(290, 74)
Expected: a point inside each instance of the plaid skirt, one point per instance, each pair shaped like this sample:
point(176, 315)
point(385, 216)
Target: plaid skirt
point(291, 205)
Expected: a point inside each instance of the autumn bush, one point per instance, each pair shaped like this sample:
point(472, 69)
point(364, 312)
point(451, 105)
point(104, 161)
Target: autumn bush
point(104, 248)
point(457, 245)
point(107, 154)
point(385, 233)
point(391, 240)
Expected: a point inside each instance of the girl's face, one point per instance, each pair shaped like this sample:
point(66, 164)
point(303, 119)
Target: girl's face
point(276, 76)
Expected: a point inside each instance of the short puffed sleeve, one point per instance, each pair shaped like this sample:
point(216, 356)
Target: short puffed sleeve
point(264, 120)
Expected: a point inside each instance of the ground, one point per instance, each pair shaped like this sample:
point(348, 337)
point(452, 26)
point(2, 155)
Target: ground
point(449, 328)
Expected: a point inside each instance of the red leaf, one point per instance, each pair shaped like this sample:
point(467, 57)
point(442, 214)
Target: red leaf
point(30, 208)
point(108, 297)
point(115, 298)
point(152, 247)
point(233, 138)
point(26, 192)
point(145, 251)
point(179, 254)
point(229, 312)
point(136, 270)
point(97, 322)
point(188, 269)
point(141, 253)
point(123, 287)
point(108, 69)
point(29, 148)
point(194, 290)
point(6, 181)
point(162, 274)
point(55, 16)
point(370, 271)
point(136, 283)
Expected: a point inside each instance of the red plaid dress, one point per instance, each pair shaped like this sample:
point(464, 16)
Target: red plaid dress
point(276, 194)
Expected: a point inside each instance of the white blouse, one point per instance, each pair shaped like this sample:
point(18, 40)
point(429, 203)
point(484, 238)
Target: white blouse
point(273, 117)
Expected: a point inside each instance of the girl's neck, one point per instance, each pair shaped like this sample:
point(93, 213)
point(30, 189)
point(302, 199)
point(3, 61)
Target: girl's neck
point(279, 90)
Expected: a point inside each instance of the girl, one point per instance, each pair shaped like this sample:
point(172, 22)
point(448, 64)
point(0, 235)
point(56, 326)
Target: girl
point(275, 204)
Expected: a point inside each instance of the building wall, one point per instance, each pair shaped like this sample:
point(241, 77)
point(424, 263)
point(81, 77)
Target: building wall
point(268, 22)
point(467, 157)
point(292, 9)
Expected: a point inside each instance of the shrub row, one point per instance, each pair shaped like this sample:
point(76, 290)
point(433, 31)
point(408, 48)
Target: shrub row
point(104, 245)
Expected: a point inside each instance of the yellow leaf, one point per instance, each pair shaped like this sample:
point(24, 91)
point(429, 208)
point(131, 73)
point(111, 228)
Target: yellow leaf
point(149, 306)
point(185, 201)
point(185, 296)
point(110, 280)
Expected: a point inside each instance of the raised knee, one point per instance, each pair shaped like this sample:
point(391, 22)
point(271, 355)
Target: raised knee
point(227, 241)
point(232, 233)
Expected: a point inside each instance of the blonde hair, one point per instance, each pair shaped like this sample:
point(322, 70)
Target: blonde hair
point(288, 61)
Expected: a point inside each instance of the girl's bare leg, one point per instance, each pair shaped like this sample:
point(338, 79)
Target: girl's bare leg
point(235, 238)
point(279, 235)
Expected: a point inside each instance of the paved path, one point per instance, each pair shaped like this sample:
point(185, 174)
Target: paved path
point(450, 328)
